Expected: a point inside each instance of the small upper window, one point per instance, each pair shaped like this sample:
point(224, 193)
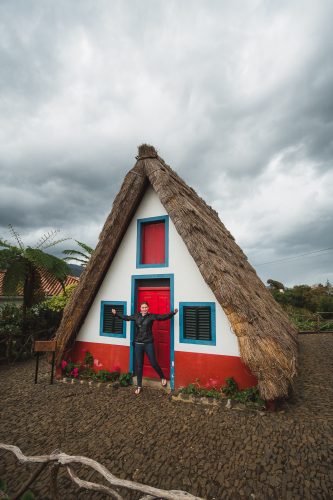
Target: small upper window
point(197, 323)
point(110, 325)
point(152, 243)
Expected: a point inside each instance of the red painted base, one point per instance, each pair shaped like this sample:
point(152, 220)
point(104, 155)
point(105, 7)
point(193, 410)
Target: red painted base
point(106, 356)
point(211, 369)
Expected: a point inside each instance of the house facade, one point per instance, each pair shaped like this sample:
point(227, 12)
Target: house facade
point(153, 264)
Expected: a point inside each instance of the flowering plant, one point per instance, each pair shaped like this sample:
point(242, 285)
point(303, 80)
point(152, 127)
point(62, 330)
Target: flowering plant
point(69, 368)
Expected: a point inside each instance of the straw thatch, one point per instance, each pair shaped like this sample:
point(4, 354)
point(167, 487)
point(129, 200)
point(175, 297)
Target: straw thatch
point(267, 341)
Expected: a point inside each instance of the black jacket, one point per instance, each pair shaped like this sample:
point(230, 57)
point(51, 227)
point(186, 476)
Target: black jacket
point(144, 324)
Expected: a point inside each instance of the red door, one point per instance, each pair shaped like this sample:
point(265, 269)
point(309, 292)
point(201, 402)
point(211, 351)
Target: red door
point(158, 299)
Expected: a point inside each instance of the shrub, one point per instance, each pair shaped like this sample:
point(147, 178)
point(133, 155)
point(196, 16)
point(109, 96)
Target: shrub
point(126, 379)
point(106, 376)
point(16, 339)
point(57, 303)
point(246, 396)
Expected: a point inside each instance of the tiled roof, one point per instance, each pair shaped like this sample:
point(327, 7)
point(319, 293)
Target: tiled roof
point(49, 284)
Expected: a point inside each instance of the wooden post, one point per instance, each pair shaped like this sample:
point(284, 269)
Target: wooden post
point(36, 372)
point(45, 346)
point(52, 369)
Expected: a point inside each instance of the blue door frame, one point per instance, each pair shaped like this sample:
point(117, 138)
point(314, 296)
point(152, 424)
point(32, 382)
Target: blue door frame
point(140, 277)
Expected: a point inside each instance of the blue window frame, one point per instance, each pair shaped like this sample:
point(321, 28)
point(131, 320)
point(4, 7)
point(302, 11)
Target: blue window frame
point(149, 220)
point(110, 326)
point(197, 323)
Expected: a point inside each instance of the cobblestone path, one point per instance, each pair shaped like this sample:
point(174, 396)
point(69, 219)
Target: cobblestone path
point(211, 452)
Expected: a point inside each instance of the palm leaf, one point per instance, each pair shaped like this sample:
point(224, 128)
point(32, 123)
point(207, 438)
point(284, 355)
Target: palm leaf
point(75, 252)
point(46, 237)
point(9, 255)
point(16, 236)
point(55, 243)
point(5, 244)
point(85, 247)
point(53, 265)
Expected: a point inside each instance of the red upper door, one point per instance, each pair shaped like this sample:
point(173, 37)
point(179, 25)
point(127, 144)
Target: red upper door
point(153, 243)
point(159, 303)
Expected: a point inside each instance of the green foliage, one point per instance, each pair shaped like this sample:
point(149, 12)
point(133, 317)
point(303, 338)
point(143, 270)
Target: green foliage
point(275, 285)
point(231, 390)
point(79, 256)
point(106, 376)
point(246, 396)
point(88, 359)
point(87, 373)
point(17, 336)
point(58, 302)
point(103, 376)
point(303, 304)
point(194, 389)
point(73, 370)
point(126, 379)
point(24, 267)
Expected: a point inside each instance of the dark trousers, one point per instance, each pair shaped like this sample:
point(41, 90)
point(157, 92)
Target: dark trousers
point(140, 350)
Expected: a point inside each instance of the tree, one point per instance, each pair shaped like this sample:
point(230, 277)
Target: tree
point(79, 256)
point(57, 303)
point(25, 266)
point(275, 285)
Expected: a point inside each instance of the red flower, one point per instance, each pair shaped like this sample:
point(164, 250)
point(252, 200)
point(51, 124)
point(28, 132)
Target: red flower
point(63, 364)
point(75, 372)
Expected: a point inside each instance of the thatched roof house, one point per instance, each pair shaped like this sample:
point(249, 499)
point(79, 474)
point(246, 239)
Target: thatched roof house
point(266, 339)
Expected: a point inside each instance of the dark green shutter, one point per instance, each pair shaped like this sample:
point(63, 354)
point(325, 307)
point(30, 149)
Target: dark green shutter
point(197, 323)
point(112, 324)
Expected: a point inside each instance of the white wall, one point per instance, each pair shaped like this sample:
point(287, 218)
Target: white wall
point(189, 286)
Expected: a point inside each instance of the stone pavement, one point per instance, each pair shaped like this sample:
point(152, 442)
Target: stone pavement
point(211, 452)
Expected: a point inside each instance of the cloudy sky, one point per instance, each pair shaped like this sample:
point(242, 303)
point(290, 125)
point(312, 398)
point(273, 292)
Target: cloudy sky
point(236, 96)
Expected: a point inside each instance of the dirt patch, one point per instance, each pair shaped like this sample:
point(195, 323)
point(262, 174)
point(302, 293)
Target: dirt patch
point(209, 451)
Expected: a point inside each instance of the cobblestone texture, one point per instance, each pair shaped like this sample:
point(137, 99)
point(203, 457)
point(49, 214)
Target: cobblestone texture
point(209, 451)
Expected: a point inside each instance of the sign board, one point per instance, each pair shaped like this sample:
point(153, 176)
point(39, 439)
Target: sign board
point(45, 345)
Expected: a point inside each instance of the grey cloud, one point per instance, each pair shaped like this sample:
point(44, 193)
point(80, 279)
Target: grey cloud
point(83, 85)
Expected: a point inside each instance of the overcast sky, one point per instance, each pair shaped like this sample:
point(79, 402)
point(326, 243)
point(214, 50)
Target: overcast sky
point(236, 96)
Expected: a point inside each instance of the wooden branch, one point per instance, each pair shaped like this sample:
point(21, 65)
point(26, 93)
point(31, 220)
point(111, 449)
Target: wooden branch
point(64, 459)
point(92, 486)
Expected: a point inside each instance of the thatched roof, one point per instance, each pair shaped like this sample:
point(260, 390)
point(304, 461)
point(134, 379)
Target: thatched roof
point(267, 341)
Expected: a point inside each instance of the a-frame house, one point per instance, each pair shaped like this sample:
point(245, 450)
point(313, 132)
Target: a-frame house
point(163, 243)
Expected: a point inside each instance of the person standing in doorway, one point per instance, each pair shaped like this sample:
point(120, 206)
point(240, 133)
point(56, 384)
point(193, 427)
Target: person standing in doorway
point(144, 340)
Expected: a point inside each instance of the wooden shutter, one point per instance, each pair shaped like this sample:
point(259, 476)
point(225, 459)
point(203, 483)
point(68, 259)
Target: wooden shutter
point(112, 324)
point(197, 323)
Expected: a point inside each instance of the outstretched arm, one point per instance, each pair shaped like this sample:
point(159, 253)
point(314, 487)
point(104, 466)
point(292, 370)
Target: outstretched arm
point(165, 316)
point(123, 316)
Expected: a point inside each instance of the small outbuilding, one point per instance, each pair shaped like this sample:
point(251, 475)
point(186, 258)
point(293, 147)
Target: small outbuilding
point(162, 243)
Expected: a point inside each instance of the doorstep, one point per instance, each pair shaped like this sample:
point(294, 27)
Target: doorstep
point(153, 383)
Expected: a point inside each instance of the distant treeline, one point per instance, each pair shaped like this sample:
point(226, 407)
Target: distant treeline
point(318, 298)
point(303, 304)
